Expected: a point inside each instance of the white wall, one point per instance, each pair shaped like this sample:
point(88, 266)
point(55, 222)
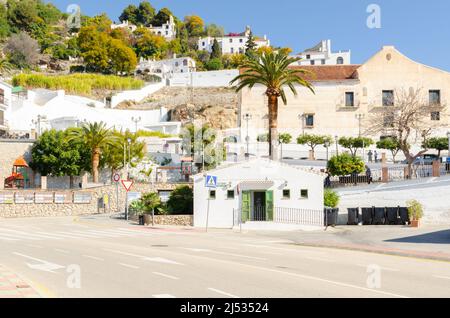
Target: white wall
point(136, 95)
point(221, 209)
point(204, 79)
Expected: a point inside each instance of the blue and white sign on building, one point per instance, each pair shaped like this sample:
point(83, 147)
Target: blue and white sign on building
point(211, 182)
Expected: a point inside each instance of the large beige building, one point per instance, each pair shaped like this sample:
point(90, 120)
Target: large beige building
point(346, 96)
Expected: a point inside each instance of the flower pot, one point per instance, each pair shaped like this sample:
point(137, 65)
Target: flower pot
point(415, 223)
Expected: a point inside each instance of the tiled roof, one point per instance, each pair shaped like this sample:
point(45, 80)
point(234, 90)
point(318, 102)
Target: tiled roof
point(330, 72)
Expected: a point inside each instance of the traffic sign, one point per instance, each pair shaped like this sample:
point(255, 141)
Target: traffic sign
point(116, 177)
point(127, 184)
point(211, 182)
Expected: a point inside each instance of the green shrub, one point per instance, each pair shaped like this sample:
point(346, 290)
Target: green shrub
point(345, 164)
point(181, 201)
point(150, 201)
point(157, 134)
point(82, 84)
point(415, 210)
point(331, 198)
point(136, 207)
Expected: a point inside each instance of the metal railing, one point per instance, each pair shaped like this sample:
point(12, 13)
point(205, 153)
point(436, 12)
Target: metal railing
point(299, 216)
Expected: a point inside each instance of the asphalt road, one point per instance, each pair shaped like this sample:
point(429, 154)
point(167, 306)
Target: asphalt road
point(100, 257)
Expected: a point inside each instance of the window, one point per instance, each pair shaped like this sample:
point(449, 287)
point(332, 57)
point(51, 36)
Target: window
point(185, 62)
point(231, 40)
point(286, 194)
point(203, 43)
point(388, 121)
point(232, 50)
point(309, 120)
point(435, 97)
point(388, 98)
point(230, 194)
point(349, 99)
point(304, 193)
point(212, 194)
point(313, 62)
point(308, 56)
point(435, 116)
point(323, 62)
point(340, 60)
point(241, 40)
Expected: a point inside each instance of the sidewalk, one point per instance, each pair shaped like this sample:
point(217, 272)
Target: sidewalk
point(12, 286)
point(428, 242)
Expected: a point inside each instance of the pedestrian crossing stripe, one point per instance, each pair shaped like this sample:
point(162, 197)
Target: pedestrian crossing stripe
point(211, 182)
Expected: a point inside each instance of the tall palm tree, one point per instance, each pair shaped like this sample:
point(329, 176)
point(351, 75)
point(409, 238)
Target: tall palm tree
point(271, 70)
point(95, 136)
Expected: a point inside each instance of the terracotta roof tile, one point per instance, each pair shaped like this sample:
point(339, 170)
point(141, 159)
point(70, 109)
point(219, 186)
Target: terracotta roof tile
point(330, 72)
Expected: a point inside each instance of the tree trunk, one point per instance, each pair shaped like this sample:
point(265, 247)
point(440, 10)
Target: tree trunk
point(71, 182)
point(95, 164)
point(273, 127)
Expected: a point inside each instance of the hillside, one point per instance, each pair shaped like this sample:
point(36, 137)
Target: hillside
point(217, 106)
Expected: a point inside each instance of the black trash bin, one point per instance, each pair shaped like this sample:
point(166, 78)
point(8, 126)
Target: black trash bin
point(141, 220)
point(392, 216)
point(404, 216)
point(367, 216)
point(353, 216)
point(379, 216)
point(331, 217)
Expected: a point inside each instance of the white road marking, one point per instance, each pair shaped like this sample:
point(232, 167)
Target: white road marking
point(43, 266)
point(8, 238)
point(57, 234)
point(26, 235)
point(381, 267)
point(129, 266)
point(93, 257)
point(146, 258)
point(199, 250)
point(163, 296)
point(223, 293)
point(80, 233)
point(61, 251)
point(18, 237)
point(441, 277)
point(165, 275)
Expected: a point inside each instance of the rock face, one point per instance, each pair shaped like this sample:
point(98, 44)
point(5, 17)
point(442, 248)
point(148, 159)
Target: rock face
point(216, 106)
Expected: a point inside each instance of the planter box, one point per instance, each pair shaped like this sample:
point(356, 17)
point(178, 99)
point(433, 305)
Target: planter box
point(353, 216)
point(367, 216)
point(379, 216)
point(415, 223)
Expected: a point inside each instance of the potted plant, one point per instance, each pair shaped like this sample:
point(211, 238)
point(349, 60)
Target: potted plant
point(415, 212)
point(150, 201)
point(331, 202)
point(137, 208)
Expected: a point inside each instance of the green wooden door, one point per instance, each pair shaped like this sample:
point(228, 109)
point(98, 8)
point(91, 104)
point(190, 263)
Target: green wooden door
point(246, 206)
point(269, 205)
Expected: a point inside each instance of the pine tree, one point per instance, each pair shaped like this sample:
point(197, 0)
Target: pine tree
point(216, 52)
point(250, 46)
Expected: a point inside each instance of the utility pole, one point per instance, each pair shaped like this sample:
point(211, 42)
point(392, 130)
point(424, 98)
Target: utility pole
point(247, 118)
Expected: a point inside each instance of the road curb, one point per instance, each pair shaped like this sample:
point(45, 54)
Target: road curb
point(382, 250)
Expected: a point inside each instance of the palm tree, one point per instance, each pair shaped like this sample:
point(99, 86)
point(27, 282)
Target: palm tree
point(5, 67)
point(271, 70)
point(95, 136)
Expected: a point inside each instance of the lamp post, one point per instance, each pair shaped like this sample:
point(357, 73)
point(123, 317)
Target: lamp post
point(136, 121)
point(336, 138)
point(359, 117)
point(301, 117)
point(247, 118)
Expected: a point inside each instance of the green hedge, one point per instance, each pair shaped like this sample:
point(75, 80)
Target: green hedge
point(77, 83)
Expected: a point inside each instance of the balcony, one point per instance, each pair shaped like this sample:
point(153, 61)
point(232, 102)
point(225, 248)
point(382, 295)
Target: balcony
point(341, 107)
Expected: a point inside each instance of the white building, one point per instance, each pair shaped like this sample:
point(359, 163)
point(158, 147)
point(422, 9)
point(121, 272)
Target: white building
point(5, 104)
point(321, 54)
point(259, 190)
point(232, 42)
point(167, 66)
point(168, 30)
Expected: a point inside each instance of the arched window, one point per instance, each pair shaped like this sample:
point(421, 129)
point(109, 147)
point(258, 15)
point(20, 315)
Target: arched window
point(340, 60)
point(185, 62)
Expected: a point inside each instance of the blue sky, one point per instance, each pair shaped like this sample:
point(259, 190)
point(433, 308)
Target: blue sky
point(419, 29)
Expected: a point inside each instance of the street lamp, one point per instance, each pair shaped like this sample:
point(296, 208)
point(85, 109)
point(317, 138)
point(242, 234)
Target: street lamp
point(359, 117)
point(247, 118)
point(136, 121)
point(337, 144)
point(302, 119)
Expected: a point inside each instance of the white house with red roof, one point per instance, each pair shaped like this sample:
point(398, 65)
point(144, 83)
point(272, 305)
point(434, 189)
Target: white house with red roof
point(232, 42)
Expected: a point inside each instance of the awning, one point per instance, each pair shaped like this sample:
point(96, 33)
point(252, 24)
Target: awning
point(256, 185)
point(20, 162)
point(17, 89)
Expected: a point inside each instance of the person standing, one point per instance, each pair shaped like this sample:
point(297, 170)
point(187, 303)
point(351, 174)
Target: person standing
point(375, 154)
point(368, 175)
point(370, 155)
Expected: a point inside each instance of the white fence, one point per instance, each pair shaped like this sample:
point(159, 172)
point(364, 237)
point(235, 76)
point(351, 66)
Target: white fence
point(299, 216)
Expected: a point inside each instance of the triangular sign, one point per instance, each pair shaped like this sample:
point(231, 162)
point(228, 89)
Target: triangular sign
point(127, 184)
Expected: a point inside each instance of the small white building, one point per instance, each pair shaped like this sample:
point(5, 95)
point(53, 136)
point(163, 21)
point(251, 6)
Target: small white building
point(259, 190)
point(168, 30)
point(5, 104)
point(321, 54)
point(167, 66)
point(232, 43)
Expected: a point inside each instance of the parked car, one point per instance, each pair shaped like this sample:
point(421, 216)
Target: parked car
point(426, 159)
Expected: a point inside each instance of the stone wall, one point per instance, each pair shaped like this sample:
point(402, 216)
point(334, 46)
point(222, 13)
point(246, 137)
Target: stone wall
point(177, 220)
point(40, 210)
